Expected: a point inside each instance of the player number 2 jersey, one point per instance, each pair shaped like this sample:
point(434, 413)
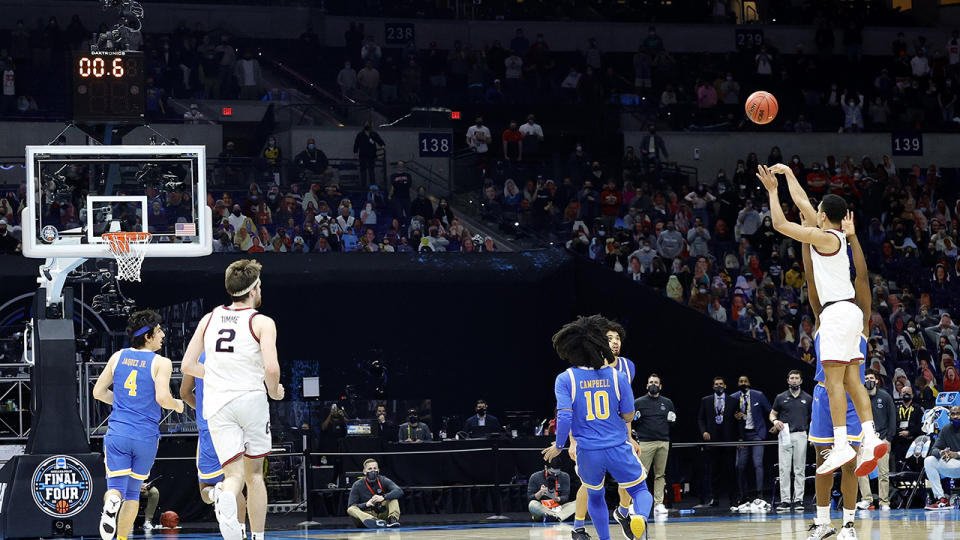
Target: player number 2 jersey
point(831, 272)
point(136, 413)
point(233, 365)
point(597, 398)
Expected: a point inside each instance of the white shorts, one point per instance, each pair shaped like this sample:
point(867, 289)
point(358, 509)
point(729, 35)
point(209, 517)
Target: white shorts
point(242, 428)
point(838, 338)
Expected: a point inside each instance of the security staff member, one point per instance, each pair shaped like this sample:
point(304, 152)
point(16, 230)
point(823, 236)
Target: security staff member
point(791, 410)
point(652, 422)
point(885, 421)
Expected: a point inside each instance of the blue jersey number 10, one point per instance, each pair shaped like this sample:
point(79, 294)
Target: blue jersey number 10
point(598, 402)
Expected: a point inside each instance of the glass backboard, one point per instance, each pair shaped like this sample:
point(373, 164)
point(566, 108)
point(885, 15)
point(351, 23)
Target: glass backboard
point(77, 193)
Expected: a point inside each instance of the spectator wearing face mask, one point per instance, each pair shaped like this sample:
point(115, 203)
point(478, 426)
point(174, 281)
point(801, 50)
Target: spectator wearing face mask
point(413, 430)
point(717, 424)
point(753, 411)
point(885, 422)
point(944, 460)
point(481, 424)
point(548, 492)
point(313, 160)
point(8, 244)
point(374, 501)
point(670, 243)
point(791, 411)
point(655, 414)
point(923, 393)
point(909, 423)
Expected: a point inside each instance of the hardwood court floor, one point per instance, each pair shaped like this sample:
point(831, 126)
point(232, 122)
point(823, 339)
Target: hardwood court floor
point(895, 525)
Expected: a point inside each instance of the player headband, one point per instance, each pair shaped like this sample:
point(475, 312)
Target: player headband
point(248, 289)
point(141, 331)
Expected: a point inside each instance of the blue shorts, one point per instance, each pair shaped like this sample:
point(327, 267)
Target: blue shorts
point(209, 470)
point(128, 463)
point(821, 425)
point(620, 461)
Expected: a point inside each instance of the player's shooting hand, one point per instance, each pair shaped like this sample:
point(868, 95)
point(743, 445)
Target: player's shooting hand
point(847, 224)
point(550, 453)
point(767, 178)
point(780, 168)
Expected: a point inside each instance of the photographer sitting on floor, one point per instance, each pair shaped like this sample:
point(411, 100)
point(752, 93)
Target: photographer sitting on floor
point(382, 508)
point(549, 494)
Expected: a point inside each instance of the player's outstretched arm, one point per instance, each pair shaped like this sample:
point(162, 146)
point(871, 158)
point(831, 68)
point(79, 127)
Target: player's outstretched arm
point(797, 193)
point(861, 284)
point(190, 365)
point(266, 329)
point(161, 384)
point(101, 390)
point(822, 240)
point(187, 385)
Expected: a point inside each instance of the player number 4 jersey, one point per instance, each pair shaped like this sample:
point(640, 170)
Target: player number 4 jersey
point(233, 366)
point(597, 398)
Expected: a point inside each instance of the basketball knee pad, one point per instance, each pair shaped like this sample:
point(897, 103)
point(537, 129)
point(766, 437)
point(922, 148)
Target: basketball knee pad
point(132, 490)
point(642, 499)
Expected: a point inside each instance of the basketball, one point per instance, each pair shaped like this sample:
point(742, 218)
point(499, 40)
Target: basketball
point(761, 107)
point(169, 519)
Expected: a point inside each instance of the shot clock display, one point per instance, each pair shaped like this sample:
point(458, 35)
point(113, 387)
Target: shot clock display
point(109, 86)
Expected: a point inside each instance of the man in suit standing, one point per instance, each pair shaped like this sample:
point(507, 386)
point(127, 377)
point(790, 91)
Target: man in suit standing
point(753, 408)
point(717, 424)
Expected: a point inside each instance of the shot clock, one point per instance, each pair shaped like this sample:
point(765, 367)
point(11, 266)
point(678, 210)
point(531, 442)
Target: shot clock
point(109, 86)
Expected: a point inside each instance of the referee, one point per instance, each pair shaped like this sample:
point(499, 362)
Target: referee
point(791, 410)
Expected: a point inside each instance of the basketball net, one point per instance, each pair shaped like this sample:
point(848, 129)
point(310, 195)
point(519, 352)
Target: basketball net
point(128, 248)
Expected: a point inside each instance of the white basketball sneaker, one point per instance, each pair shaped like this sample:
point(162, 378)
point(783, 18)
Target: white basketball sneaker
point(108, 519)
point(871, 450)
point(225, 509)
point(819, 532)
point(847, 532)
point(836, 457)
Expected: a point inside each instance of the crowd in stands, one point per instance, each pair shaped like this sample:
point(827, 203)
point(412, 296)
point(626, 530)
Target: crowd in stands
point(323, 219)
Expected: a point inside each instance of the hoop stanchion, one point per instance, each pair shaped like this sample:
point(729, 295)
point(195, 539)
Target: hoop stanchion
point(128, 248)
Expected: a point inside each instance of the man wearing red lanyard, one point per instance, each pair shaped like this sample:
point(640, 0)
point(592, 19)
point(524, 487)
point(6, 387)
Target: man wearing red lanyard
point(549, 494)
point(374, 500)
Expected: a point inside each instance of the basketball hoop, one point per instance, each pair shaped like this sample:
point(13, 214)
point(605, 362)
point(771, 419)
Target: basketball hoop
point(128, 248)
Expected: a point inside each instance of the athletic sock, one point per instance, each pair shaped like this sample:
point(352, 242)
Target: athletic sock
point(849, 515)
point(207, 492)
point(257, 535)
point(823, 516)
point(623, 511)
point(243, 530)
point(840, 436)
point(579, 522)
point(869, 431)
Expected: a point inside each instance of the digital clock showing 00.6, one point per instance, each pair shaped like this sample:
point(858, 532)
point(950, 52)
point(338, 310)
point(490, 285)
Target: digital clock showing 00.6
point(109, 86)
point(99, 66)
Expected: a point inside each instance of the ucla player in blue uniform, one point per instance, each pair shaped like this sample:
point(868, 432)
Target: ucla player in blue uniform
point(616, 334)
point(141, 386)
point(209, 471)
point(585, 394)
point(821, 424)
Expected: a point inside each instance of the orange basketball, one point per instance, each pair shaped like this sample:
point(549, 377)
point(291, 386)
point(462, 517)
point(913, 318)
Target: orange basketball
point(761, 107)
point(63, 507)
point(169, 519)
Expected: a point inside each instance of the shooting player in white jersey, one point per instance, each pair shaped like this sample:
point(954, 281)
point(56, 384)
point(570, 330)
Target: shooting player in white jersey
point(841, 321)
point(240, 370)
